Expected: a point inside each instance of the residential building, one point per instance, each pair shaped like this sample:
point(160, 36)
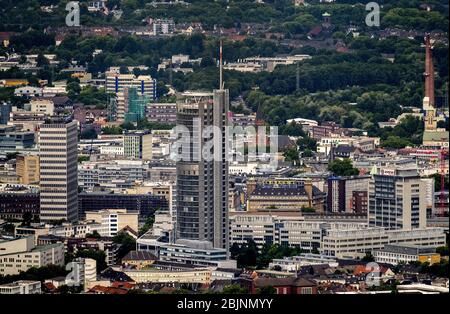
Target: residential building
point(138, 144)
point(19, 255)
point(395, 254)
point(27, 168)
point(163, 26)
point(397, 199)
point(58, 170)
point(289, 285)
point(202, 185)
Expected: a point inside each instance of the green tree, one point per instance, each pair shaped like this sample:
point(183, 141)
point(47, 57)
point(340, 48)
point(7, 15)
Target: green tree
point(126, 244)
point(234, 289)
point(343, 167)
point(98, 256)
point(266, 290)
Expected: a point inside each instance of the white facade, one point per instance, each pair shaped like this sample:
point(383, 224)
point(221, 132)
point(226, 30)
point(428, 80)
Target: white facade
point(114, 150)
point(284, 229)
point(21, 287)
point(21, 254)
point(357, 242)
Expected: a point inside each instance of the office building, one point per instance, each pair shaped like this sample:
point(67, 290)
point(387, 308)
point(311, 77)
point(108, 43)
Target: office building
point(27, 168)
point(19, 255)
point(137, 105)
point(293, 263)
point(16, 200)
point(144, 204)
point(138, 144)
point(58, 170)
point(397, 199)
point(116, 82)
point(340, 192)
point(111, 174)
point(359, 202)
point(355, 243)
point(283, 194)
point(283, 228)
point(43, 105)
point(113, 220)
point(202, 185)
point(5, 109)
point(198, 253)
point(162, 112)
point(12, 140)
point(21, 287)
point(185, 252)
point(395, 254)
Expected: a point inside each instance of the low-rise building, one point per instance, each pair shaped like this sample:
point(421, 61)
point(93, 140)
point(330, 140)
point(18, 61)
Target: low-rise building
point(395, 254)
point(21, 287)
point(294, 263)
point(357, 242)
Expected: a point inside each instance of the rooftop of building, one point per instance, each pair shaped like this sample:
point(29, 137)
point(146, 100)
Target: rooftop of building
point(139, 256)
point(284, 190)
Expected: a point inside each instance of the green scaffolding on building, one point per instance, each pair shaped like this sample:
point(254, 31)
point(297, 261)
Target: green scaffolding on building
point(137, 104)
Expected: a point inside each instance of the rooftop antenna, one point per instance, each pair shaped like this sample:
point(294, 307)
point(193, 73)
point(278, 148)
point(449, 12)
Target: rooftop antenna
point(220, 67)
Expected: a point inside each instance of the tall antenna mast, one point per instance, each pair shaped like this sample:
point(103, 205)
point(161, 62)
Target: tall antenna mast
point(220, 67)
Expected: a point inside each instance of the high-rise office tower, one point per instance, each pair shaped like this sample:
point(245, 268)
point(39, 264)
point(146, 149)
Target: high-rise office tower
point(202, 185)
point(58, 170)
point(397, 199)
